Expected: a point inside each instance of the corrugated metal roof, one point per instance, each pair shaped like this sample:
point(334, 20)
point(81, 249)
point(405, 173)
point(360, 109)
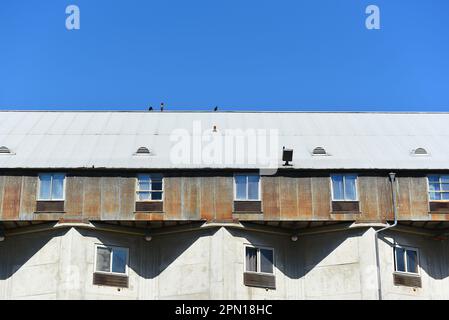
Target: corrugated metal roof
point(110, 139)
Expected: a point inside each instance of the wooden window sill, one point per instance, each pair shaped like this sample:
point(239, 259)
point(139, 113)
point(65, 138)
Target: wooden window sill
point(149, 212)
point(407, 280)
point(247, 206)
point(259, 280)
point(149, 206)
point(52, 206)
point(346, 212)
point(110, 280)
point(439, 206)
point(46, 212)
point(345, 206)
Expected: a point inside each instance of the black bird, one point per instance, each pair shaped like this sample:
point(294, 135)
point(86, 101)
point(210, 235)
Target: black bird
point(162, 106)
point(216, 108)
point(150, 109)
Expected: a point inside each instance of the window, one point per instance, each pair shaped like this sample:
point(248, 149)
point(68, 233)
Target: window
point(247, 187)
point(51, 186)
point(406, 260)
point(259, 260)
point(111, 259)
point(438, 188)
point(344, 187)
point(149, 187)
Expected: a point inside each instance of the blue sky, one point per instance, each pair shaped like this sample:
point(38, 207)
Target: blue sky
point(239, 55)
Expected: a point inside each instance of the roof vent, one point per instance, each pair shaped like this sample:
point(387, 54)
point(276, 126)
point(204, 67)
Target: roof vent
point(5, 150)
point(143, 151)
point(319, 151)
point(420, 152)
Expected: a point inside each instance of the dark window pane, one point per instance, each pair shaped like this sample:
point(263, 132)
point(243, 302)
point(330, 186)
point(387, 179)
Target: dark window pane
point(266, 261)
point(156, 185)
point(399, 256)
point(103, 259)
point(251, 259)
point(156, 196)
point(434, 179)
point(412, 261)
point(119, 257)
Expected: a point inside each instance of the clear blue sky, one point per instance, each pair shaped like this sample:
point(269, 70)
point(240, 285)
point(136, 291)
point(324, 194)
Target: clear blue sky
point(236, 54)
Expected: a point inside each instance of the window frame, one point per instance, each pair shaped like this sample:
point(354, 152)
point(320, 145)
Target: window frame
point(51, 186)
point(257, 247)
point(99, 245)
point(151, 186)
point(406, 248)
point(259, 187)
point(439, 182)
point(356, 186)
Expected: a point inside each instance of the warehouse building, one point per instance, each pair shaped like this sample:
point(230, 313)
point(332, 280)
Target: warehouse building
point(224, 205)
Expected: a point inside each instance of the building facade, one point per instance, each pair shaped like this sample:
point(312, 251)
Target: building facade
point(197, 205)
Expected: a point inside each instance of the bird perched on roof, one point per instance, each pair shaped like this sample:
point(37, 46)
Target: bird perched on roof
point(216, 108)
point(162, 106)
point(150, 108)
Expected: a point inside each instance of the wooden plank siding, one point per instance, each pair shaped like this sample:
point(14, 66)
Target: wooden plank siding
point(295, 196)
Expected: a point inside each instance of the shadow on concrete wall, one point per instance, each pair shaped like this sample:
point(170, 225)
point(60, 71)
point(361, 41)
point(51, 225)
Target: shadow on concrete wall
point(148, 259)
point(433, 254)
point(15, 251)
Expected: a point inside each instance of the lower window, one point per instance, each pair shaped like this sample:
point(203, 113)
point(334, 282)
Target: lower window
point(259, 268)
point(111, 266)
point(259, 260)
point(406, 260)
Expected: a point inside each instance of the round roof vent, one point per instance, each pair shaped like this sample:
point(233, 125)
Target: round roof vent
point(5, 150)
point(143, 151)
point(420, 152)
point(319, 151)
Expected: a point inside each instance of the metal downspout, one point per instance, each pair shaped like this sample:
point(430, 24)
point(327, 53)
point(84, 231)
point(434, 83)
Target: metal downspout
point(389, 226)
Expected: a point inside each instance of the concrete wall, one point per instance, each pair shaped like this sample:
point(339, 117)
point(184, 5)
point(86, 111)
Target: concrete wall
point(209, 264)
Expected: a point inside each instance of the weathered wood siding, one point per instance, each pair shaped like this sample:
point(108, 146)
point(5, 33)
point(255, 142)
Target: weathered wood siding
point(295, 197)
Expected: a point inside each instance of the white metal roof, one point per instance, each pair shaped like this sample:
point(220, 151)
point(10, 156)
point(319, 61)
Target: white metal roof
point(110, 139)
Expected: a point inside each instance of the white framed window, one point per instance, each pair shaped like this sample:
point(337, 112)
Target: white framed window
point(150, 187)
point(259, 259)
point(247, 187)
point(438, 186)
point(344, 187)
point(51, 186)
point(406, 260)
point(111, 259)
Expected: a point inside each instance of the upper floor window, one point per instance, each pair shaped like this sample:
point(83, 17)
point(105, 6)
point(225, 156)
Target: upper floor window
point(111, 259)
point(149, 187)
point(259, 260)
point(406, 260)
point(344, 187)
point(438, 187)
point(51, 186)
point(247, 187)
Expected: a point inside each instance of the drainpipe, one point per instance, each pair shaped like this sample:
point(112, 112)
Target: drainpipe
point(389, 226)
